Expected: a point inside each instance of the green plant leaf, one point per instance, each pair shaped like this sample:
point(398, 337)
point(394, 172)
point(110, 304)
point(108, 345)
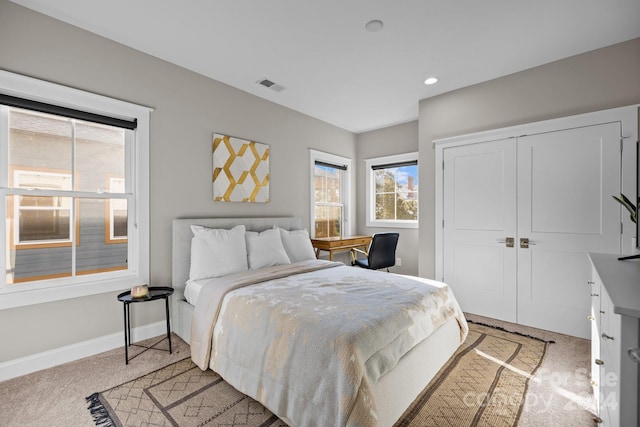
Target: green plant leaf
point(626, 200)
point(633, 209)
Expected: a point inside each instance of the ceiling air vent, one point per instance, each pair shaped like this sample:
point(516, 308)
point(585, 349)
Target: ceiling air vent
point(271, 85)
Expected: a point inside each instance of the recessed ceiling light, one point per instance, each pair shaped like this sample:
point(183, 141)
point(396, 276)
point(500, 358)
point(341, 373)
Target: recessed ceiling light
point(374, 26)
point(431, 81)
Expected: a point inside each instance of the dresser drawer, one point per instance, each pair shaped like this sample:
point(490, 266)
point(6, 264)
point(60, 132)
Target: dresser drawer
point(609, 399)
point(610, 331)
point(594, 318)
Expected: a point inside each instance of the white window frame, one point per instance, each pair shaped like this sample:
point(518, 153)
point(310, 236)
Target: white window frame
point(345, 190)
point(371, 188)
point(137, 167)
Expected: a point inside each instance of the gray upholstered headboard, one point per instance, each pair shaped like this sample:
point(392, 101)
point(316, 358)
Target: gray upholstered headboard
point(182, 240)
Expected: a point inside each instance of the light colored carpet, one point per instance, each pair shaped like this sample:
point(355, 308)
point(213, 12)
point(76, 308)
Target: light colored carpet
point(559, 393)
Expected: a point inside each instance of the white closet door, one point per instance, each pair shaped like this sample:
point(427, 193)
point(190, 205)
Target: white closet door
point(565, 183)
point(479, 200)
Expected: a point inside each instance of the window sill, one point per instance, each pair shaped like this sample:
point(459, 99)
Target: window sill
point(393, 224)
point(24, 294)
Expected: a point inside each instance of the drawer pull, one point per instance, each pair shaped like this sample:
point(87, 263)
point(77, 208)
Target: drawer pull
point(599, 362)
point(634, 354)
point(590, 317)
point(602, 311)
point(591, 282)
point(607, 337)
point(595, 295)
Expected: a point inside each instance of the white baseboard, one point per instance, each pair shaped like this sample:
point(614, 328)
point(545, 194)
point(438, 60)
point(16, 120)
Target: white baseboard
point(47, 359)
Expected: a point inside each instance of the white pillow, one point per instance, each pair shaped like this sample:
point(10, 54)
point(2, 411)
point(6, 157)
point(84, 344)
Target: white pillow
point(297, 244)
point(217, 252)
point(265, 249)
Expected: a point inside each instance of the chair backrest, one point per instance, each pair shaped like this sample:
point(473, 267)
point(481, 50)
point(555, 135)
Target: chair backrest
point(382, 251)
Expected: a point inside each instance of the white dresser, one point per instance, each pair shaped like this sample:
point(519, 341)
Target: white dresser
point(615, 333)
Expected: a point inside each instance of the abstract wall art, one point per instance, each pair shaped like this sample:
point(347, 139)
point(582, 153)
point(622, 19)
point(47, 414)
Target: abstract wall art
point(240, 170)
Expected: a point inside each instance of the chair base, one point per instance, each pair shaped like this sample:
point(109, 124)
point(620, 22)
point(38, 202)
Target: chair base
point(365, 264)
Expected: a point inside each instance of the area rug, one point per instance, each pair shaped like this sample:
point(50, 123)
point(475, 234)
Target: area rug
point(484, 383)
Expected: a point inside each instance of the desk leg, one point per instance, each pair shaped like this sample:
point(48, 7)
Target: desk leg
point(126, 333)
point(330, 255)
point(166, 301)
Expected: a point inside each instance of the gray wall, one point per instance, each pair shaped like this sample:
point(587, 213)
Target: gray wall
point(597, 80)
point(188, 109)
point(399, 139)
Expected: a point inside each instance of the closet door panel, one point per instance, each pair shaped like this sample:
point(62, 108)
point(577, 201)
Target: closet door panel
point(479, 207)
point(565, 182)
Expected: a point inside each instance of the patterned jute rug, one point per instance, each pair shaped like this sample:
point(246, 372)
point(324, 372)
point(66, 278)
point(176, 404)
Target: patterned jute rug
point(483, 384)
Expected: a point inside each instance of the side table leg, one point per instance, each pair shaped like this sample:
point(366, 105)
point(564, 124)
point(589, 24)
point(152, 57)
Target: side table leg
point(166, 301)
point(126, 335)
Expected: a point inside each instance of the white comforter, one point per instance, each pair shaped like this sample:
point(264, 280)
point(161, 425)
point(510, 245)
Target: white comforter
point(309, 340)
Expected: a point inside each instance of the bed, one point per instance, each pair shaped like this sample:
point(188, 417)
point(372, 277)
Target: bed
point(380, 391)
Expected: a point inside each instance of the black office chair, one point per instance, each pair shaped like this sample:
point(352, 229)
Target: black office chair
point(381, 252)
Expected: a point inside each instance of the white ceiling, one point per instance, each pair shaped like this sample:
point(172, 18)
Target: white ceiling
point(336, 71)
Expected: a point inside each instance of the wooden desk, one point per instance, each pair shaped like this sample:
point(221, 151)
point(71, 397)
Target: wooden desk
point(337, 244)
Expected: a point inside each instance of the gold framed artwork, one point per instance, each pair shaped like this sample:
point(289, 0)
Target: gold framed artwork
point(240, 170)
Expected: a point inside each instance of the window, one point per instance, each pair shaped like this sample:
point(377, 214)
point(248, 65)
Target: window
point(392, 191)
point(71, 164)
point(330, 189)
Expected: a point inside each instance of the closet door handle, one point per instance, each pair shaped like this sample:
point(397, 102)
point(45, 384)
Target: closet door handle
point(525, 242)
point(508, 241)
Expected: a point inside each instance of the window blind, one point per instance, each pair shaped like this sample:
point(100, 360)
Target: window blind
point(395, 165)
point(42, 107)
point(329, 165)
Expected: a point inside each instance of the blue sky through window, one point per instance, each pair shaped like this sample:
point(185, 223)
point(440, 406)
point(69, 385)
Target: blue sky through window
point(403, 173)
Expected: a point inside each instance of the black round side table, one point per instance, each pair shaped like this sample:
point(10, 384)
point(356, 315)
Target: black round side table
point(155, 292)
